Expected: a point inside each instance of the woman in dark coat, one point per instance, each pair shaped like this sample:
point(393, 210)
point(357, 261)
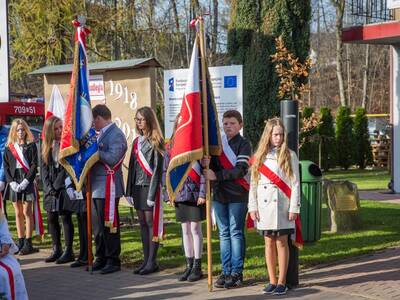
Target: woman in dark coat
point(56, 200)
point(20, 168)
point(142, 187)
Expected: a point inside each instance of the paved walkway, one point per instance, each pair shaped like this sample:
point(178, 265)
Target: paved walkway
point(374, 276)
point(380, 195)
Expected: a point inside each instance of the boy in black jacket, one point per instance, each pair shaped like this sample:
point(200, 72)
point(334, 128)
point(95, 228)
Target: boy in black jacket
point(231, 191)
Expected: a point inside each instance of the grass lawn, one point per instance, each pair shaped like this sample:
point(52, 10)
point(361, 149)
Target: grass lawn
point(380, 229)
point(365, 179)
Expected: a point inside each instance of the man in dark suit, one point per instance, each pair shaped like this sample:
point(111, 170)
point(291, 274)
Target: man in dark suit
point(112, 147)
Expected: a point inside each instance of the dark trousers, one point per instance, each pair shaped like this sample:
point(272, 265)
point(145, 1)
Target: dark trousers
point(55, 229)
point(108, 245)
point(83, 240)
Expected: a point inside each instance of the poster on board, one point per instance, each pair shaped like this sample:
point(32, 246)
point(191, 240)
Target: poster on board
point(227, 82)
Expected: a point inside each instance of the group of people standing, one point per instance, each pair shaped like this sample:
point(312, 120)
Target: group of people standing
point(234, 195)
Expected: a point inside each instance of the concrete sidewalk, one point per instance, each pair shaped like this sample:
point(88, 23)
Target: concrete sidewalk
point(375, 276)
point(380, 195)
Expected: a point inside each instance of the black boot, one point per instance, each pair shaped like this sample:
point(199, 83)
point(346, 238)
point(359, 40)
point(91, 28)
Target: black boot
point(196, 273)
point(55, 254)
point(27, 248)
point(151, 265)
point(66, 257)
point(188, 270)
point(21, 242)
point(145, 244)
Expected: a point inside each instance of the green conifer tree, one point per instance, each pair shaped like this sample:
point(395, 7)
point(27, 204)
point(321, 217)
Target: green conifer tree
point(344, 137)
point(362, 145)
point(326, 131)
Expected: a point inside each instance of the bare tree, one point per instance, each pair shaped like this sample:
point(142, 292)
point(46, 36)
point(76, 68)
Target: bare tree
point(339, 7)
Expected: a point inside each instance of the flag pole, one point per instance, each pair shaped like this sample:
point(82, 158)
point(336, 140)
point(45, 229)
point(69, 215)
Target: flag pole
point(206, 152)
point(89, 224)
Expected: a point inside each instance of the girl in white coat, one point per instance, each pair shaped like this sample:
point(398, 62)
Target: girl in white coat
point(274, 200)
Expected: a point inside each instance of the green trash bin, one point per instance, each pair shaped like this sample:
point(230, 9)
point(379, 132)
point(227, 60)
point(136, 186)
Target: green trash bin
point(311, 206)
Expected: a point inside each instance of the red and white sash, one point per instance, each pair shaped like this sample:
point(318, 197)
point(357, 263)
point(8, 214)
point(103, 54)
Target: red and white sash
point(10, 279)
point(158, 213)
point(228, 160)
point(275, 179)
point(195, 173)
point(110, 207)
point(37, 214)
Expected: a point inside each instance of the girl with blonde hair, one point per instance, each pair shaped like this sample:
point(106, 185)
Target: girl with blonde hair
point(274, 200)
point(20, 168)
point(144, 180)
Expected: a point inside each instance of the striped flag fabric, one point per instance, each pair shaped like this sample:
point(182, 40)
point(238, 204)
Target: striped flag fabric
point(78, 147)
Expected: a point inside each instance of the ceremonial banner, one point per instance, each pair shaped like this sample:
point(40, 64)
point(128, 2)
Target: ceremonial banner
point(187, 147)
point(56, 105)
point(79, 149)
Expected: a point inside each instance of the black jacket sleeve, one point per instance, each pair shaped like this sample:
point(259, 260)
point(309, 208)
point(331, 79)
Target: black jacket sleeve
point(33, 162)
point(7, 164)
point(45, 176)
point(157, 175)
point(131, 172)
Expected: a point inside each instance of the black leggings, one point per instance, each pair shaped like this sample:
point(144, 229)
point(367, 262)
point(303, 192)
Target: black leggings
point(55, 230)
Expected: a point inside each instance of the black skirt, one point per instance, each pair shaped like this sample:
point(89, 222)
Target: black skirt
point(28, 194)
point(188, 211)
point(275, 233)
point(140, 194)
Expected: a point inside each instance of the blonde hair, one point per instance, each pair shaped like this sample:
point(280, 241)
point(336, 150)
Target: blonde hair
point(48, 140)
point(264, 146)
point(12, 136)
point(153, 132)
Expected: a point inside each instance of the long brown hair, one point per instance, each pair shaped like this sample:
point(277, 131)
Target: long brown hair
point(12, 136)
point(264, 146)
point(153, 132)
point(48, 130)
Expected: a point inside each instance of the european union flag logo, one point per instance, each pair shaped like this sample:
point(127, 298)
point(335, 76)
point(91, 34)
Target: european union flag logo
point(171, 84)
point(230, 81)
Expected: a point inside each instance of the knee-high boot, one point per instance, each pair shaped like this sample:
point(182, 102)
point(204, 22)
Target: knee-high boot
point(144, 234)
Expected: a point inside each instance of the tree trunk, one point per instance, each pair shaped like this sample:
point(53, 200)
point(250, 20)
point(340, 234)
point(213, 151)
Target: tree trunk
point(365, 78)
point(339, 6)
point(214, 29)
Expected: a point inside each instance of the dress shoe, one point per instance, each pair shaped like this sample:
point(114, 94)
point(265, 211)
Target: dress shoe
point(149, 270)
point(78, 263)
point(108, 269)
point(98, 265)
point(138, 269)
point(66, 257)
point(54, 255)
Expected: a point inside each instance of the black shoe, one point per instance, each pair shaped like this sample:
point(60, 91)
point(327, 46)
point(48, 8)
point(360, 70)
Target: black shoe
point(98, 265)
point(108, 269)
point(140, 268)
point(220, 283)
point(66, 257)
point(196, 273)
point(21, 242)
point(149, 270)
point(78, 263)
point(269, 289)
point(280, 290)
point(28, 248)
point(233, 281)
point(188, 270)
point(54, 255)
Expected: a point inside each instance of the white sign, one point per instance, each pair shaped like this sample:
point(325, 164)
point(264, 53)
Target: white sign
point(227, 86)
point(392, 4)
point(4, 87)
point(96, 88)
